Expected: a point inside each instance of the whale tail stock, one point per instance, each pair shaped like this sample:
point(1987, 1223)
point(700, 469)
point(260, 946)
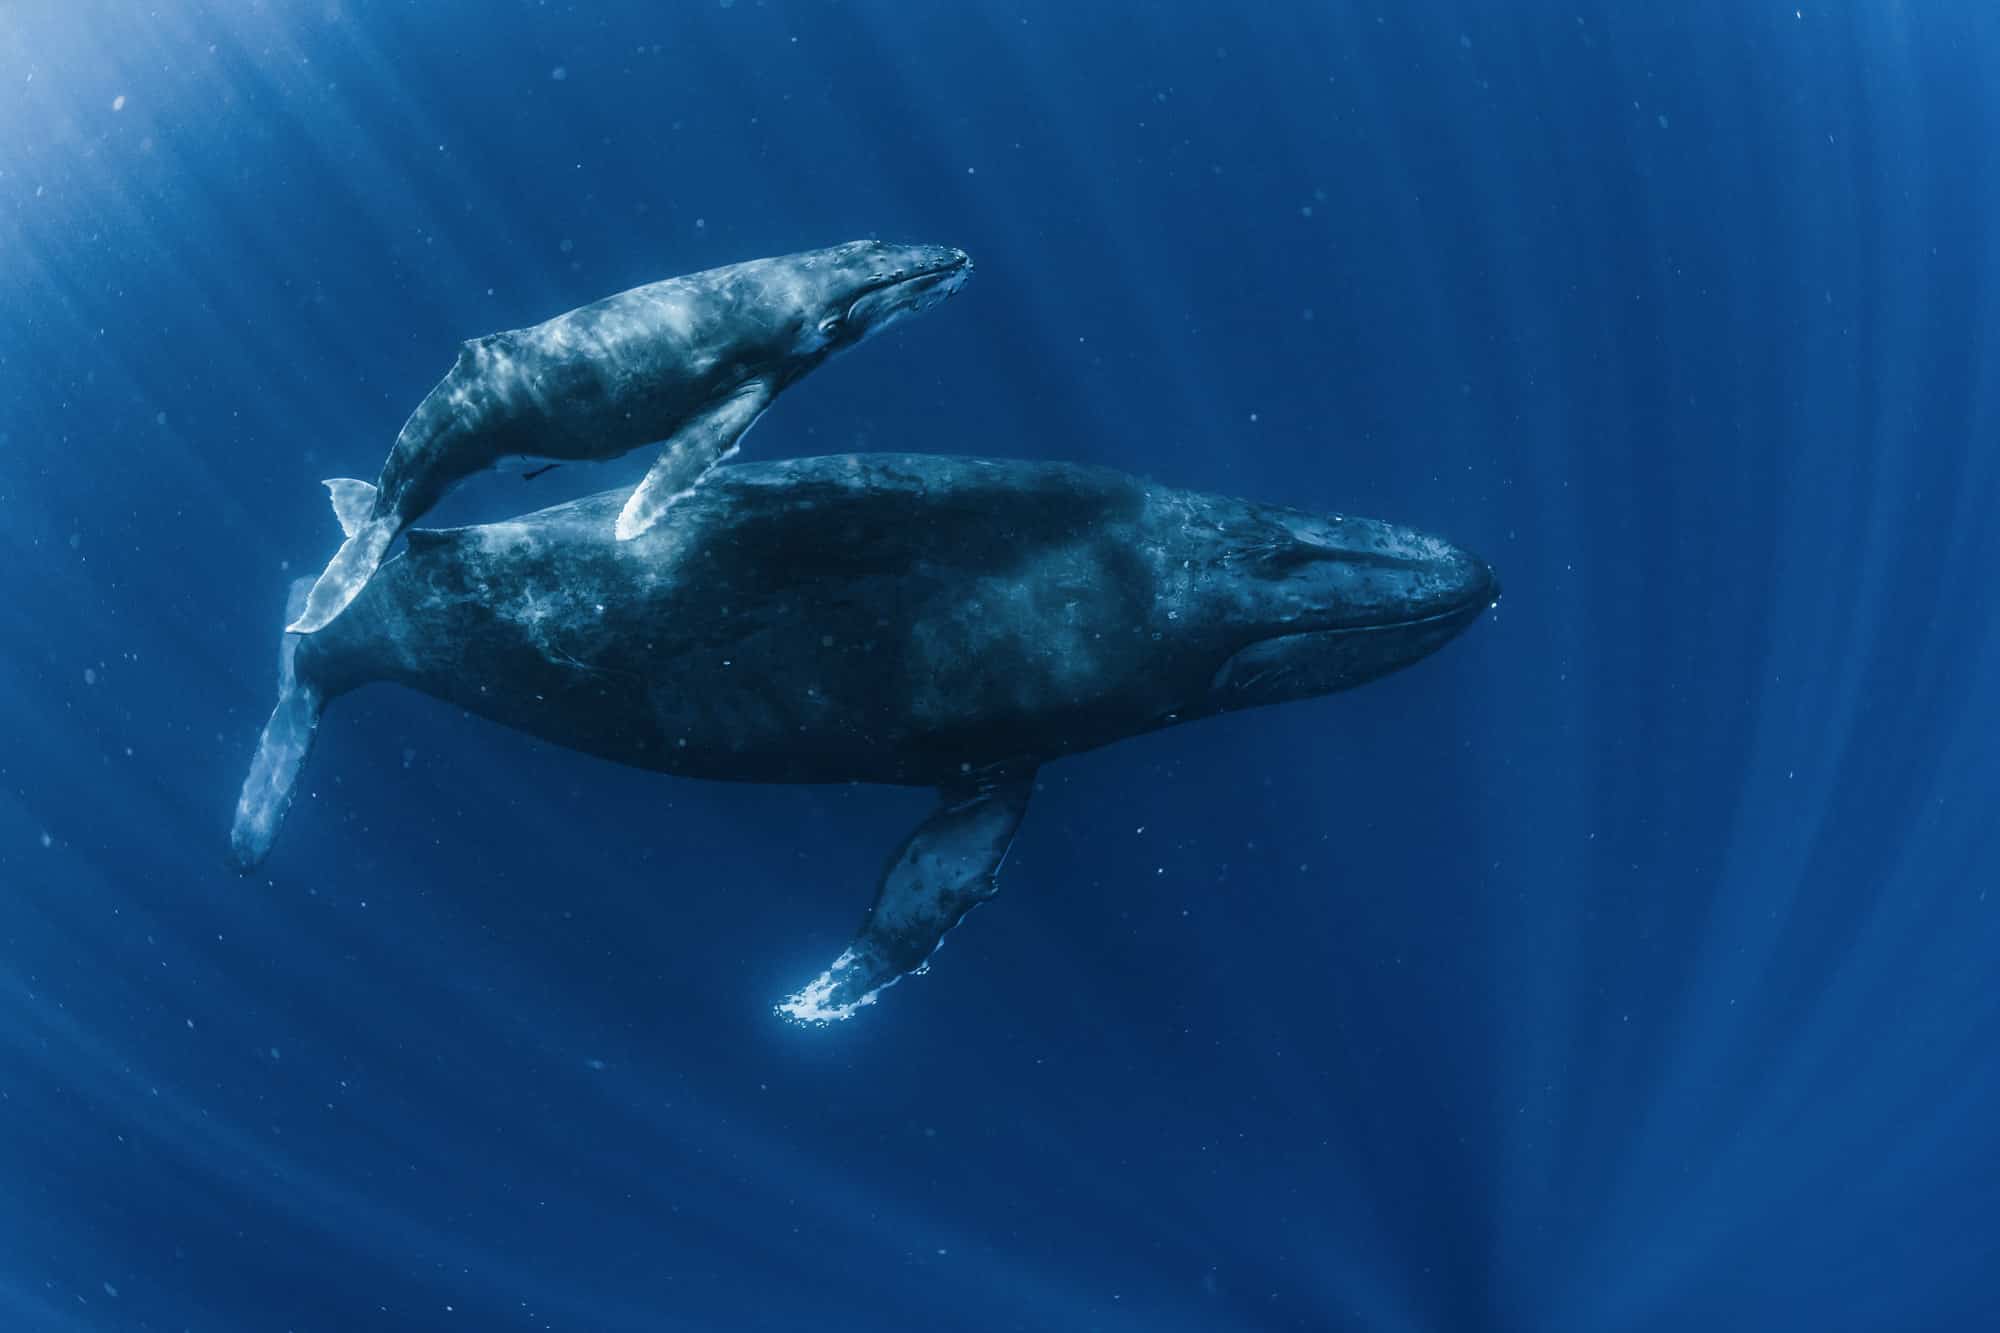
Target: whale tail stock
point(281, 752)
point(949, 866)
point(368, 535)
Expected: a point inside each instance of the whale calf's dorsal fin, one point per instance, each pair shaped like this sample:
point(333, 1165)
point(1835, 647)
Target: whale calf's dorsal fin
point(353, 502)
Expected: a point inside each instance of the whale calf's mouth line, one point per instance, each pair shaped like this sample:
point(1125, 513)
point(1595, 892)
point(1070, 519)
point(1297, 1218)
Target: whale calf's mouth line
point(953, 270)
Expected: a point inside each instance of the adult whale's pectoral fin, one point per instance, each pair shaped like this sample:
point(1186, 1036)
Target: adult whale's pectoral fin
point(281, 752)
point(950, 865)
point(695, 449)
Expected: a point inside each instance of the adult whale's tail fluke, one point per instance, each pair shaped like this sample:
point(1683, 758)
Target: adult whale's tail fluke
point(281, 753)
point(368, 537)
point(949, 866)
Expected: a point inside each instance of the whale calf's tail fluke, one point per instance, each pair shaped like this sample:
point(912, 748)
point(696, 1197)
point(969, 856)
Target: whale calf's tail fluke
point(368, 538)
point(281, 753)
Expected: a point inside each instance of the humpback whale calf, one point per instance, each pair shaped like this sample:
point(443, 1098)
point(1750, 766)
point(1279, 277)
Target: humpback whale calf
point(692, 361)
point(941, 622)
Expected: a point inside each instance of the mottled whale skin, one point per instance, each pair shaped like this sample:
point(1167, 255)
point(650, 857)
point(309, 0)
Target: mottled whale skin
point(692, 361)
point(942, 622)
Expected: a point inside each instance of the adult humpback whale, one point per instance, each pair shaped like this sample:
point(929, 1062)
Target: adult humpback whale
point(940, 622)
point(693, 361)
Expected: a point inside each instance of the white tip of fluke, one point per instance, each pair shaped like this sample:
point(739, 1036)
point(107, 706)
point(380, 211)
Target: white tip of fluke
point(353, 502)
point(346, 575)
point(830, 997)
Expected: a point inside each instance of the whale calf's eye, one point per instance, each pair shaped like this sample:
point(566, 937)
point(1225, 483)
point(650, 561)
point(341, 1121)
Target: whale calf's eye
point(829, 326)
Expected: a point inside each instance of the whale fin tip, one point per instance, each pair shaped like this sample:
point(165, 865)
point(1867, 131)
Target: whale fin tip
point(696, 449)
point(353, 502)
point(281, 754)
point(345, 575)
point(946, 868)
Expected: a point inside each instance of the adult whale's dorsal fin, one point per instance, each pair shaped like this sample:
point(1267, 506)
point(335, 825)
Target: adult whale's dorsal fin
point(485, 345)
point(949, 866)
point(705, 441)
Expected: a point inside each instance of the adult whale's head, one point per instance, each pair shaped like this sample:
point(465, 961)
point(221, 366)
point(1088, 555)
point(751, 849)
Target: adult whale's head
point(791, 312)
point(1312, 605)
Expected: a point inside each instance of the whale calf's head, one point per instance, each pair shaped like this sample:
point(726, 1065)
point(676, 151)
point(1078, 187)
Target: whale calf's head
point(818, 302)
point(1334, 603)
point(872, 284)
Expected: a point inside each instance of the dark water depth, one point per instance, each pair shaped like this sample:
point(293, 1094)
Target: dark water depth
point(1629, 966)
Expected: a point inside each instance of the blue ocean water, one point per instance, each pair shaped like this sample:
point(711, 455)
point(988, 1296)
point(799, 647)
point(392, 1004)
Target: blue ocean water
point(1627, 966)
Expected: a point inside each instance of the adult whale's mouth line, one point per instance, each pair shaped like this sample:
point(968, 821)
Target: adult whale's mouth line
point(1468, 609)
point(1306, 660)
point(1469, 606)
point(1483, 598)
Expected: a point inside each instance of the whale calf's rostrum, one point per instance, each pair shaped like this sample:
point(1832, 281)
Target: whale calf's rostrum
point(690, 363)
point(942, 622)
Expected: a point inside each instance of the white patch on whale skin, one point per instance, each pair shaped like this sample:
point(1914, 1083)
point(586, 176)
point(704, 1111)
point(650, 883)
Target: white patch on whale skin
point(353, 503)
point(503, 539)
point(813, 1006)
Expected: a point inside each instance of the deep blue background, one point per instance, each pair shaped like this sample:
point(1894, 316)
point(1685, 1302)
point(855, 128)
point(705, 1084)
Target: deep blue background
point(1630, 966)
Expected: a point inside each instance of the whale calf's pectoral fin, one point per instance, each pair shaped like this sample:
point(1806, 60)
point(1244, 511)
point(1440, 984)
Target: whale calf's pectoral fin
point(950, 865)
point(695, 449)
point(353, 502)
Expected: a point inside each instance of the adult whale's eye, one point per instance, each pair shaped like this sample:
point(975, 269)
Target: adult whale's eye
point(830, 326)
